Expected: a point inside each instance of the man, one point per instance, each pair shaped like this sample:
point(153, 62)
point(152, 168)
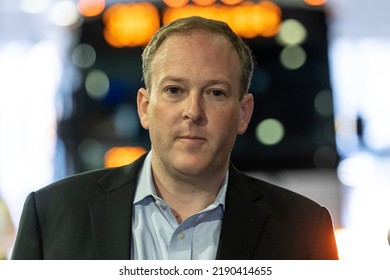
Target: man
point(184, 199)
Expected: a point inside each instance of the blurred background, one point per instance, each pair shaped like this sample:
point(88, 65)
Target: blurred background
point(70, 71)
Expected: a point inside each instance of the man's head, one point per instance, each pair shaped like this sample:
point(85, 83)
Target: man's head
point(196, 102)
point(187, 26)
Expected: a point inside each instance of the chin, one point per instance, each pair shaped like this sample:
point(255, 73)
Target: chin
point(191, 167)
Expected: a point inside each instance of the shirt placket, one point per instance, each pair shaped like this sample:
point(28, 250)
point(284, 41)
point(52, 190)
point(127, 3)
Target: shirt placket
point(180, 246)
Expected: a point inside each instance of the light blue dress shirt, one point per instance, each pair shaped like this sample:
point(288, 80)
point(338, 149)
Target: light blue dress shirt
point(157, 234)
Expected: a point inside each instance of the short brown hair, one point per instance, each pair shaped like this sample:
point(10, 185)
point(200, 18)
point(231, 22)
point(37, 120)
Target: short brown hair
point(187, 26)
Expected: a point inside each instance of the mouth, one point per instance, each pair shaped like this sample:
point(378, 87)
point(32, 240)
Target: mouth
point(191, 138)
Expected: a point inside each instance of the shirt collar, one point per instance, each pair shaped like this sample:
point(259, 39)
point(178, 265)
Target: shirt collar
point(145, 185)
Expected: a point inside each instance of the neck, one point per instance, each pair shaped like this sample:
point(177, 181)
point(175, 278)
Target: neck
point(187, 195)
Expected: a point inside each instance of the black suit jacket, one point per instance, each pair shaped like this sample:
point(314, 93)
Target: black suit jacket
point(88, 216)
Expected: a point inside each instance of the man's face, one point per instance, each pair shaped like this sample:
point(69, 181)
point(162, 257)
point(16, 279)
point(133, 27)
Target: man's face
point(193, 111)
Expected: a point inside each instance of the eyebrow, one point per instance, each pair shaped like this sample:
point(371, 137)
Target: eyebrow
point(185, 80)
point(174, 79)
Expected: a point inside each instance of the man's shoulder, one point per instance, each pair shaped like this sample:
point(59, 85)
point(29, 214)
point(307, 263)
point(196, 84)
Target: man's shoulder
point(84, 179)
point(97, 180)
point(276, 194)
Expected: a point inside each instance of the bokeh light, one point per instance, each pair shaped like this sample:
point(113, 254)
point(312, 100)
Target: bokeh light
point(270, 131)
point(231, 2)
point(293, 57)
point(353, 171)
point(34, 6)
point(291, 32)
point(91, 8)
point(316, 2)
point(64, 13)
point(84, 55)
point(248, 20)
point(91, 152)
point(126, 121)
point(130, 25)
point(97, 84)
point(323, 103)
point(272, 15)
point(119, 156)
point(325, 158)
point(204, 2)
point(176, 3)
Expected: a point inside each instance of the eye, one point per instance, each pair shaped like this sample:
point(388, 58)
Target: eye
point(217, 93)
point(172, 90)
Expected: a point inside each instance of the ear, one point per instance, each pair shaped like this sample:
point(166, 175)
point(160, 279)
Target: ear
point(142, 107)
point(246, 110)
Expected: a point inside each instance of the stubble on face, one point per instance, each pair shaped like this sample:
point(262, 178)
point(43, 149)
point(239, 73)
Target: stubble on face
point(196, 65)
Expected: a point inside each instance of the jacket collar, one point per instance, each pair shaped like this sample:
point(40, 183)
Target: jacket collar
point(111, 212)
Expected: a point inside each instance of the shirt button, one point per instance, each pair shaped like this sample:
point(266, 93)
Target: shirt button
point(181, 236)
point(158, 203)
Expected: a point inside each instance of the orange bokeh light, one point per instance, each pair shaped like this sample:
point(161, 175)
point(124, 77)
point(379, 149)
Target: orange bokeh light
point(316, 2)
point(272, 14)
point(231, 2)
point(133, 24)
point(91, 8)
point(119, 156)
point(176, 3)
point(248, 19)
point(130, 25)
point(204, 2)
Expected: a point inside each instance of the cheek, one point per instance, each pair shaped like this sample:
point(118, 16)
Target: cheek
point(161, 117)
point(233, 113)
point(226, 122)
point(160, 113)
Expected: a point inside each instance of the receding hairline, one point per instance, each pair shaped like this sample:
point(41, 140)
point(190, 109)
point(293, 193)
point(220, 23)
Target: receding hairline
point(186, 32)
point(193, 32)
point(193, 25)
point(200, 32)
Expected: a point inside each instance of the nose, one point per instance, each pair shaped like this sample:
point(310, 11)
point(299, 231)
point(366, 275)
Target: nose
point(194, 108)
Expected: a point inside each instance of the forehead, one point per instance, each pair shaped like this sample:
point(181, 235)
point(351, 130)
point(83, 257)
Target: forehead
point(196, 49)
point(205, 36)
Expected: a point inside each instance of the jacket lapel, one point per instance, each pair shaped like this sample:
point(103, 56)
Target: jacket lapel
point(111, 213)
point(244, 218)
